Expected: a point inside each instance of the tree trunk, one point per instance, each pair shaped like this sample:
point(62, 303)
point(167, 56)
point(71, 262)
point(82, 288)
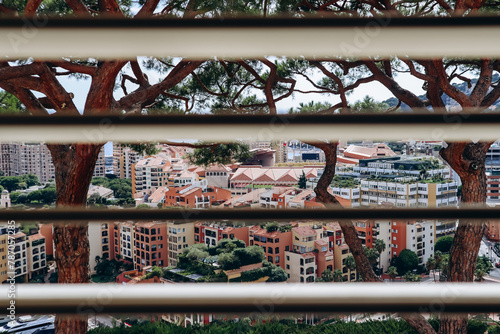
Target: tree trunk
point(74, 167)
point(468, 160)
point(363, 265)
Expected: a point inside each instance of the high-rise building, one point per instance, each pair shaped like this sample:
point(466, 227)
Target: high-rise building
point(150, 173)
point(20, 253)
point(123, 159)
point(28, 158)
point(180, 236)
point(150, 244)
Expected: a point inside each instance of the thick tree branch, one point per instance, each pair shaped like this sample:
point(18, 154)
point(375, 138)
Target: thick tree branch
point(140, 96)
point(31, 7)
point(404, 95)
point(448, 88)
point(148, 8)
point(11, 72)
point(79, 8)
point(74, 67)
point(483, 83)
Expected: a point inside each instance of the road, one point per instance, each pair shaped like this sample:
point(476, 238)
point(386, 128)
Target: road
point(486, 249)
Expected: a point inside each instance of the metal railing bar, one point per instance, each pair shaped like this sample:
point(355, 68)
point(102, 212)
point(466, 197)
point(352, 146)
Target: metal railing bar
point(192, 215)
point(259, 127)
point(271, 297)
point(250, 38)
point(250, 21)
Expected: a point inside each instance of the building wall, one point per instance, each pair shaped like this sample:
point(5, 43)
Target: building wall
point(282, 241)
point(382, 231)
point(217, 179)
point(493, 230)
point(126, 242)
point(180, 236)
point(301, 268)
point(47, 230)
point(151, 241)
point(3, 257)
point(37, 260)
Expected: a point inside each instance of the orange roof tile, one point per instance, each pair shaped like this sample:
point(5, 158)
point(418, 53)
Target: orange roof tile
point(304, 230)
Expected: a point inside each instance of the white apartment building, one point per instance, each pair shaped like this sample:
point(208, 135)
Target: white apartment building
point(126, 241)
point(300, 267)
point(36, 254)
point(180, 236)
point(149, 173)
point(351, 194)
point(409, 194)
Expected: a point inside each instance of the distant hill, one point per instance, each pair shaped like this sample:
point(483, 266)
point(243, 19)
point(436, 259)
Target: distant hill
point(448, 101)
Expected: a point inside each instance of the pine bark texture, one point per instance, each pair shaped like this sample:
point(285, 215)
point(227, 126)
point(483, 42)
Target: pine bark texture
point(74, 167)
point(468, 161)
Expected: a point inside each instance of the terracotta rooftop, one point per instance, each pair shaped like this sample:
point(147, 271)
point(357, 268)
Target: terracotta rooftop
point(145, 224)
point(304, 230)
point(158, 194)
point(36, 237)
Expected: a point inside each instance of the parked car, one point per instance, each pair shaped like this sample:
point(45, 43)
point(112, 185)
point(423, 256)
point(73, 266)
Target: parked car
point(497, 264)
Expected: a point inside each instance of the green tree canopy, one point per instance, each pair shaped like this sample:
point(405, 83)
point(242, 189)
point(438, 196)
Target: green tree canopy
point(406, 261)
point(443, 244)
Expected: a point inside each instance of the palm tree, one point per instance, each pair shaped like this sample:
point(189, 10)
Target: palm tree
point(372, 254)
point(480, 273)
point(350, 264)
point(392, 272)
point(439, 258)
point(380, 247)
point(327, 276)
point(337, 275)
point(431, 265)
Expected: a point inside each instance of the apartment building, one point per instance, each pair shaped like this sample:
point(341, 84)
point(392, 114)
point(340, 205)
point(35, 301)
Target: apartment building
point(493, 230)
point(193, 196)
point(37, 260)
point(103, 242)
point(150, 244)
point(409, 193)
point(415, 236)
point(211, 233)
point(351, 195)
point(278, 197)
point(123, 160)
point(300, 267)
point(47, 230)
point(218, 176)
point(149, 173)
point(336, 244)
point(382, 231)
point(368, 151)
point(125, 247)
point(9, 158)
point(4, 269)
point(365, 232)
point(153, 200)
point(20, 250)
point(493, 185)
point(274, 243)
point(310, 255)
point(246, 178)
point(100, 165)
point(180, 236)
point(397, 165)
point(28, 158)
